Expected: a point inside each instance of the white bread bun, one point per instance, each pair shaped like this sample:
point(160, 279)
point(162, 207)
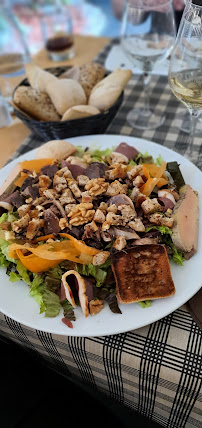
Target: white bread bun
point(108, 90)
point(65, 93)
point(79, 112)
point(55, 149)
point(38, 78)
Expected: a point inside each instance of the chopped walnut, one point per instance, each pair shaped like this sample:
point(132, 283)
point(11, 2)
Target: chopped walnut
point(63, 223)
point(137, 225)
point(119, 243)
point(96, 186)
point(160, 220)
point(82, 180)
point(87, 158)
point(20, 224)
point(127, 212)
point(44, 181)
point(81, 214)
point(74, 188)
point(116, 171)
point(117, 157)
point(86, 198)
point(115, 188)
point(34, 225)
point(95, 306)
point(151, 205)
point(112, 209)
point(24, 209)
point(99, 216)
point(115, 220)
point(69, 207)
point(138, 181)
point(134, 171)
point(100, 258)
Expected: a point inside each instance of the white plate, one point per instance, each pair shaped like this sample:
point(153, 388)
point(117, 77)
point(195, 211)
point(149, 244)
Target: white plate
point(16, 302)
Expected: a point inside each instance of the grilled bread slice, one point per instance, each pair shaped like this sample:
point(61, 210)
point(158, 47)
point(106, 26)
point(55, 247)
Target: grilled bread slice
point(142, 273)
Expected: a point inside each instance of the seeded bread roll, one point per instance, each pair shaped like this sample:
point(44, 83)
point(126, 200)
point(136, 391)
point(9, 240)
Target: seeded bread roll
point(106, 92)
point(55, 149)
point(79, 112)
point(89, 75)
point(36, 104)
point(65, 93)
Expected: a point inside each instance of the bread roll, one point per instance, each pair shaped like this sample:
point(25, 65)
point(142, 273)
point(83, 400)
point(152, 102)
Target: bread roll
point(39, 78)
point(55, 149)
point(90, 74)
point(79, 112)
point(106, 92)
point(65, 93)
point(36, 104)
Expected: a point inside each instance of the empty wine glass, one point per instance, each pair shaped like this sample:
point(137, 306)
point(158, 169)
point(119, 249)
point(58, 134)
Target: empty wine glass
point(147, 37)
point(185, 71)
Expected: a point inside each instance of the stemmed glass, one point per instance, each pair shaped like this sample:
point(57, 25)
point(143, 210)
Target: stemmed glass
point(185, 71)
point(147, 37)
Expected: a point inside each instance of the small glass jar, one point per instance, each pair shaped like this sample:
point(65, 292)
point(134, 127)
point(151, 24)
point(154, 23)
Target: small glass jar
point(57, 32)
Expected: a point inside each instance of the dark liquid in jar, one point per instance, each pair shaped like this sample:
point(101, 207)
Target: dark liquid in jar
point(57, 44)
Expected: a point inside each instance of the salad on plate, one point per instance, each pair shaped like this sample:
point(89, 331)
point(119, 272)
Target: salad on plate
point(91, 227)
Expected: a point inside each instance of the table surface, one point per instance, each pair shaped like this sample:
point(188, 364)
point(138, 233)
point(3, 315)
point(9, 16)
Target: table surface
point(86, 48)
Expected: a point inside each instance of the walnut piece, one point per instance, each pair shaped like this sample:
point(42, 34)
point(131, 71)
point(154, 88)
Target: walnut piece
point(100, 258)
point(63, 223)
point(81, 214)
point(44, 181)
point(96, 186)
point(95, 306)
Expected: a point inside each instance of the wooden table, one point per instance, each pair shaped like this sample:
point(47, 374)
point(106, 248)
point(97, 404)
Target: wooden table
point(86, 48)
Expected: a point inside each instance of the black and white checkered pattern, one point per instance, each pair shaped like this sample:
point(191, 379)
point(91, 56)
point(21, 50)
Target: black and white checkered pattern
point(155, 370)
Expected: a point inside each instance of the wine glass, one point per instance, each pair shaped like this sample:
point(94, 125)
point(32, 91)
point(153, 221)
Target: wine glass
point(147, 37)
point(185, 71)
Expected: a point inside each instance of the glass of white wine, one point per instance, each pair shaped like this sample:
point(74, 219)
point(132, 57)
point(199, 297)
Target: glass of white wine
point(185, 72)
point(147, 37)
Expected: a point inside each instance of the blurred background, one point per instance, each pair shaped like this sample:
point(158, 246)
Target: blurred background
point(89, 17)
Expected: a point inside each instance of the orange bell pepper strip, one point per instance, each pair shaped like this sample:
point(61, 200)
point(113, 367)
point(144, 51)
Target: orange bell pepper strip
point(79, 245)
point(36, 264)
point(147, 188)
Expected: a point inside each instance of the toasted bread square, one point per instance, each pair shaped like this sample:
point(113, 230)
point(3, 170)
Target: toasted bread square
point(142, 273)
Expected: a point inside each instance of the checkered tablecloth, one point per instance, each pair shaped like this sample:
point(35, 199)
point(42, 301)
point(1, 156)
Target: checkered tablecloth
point(155, 370)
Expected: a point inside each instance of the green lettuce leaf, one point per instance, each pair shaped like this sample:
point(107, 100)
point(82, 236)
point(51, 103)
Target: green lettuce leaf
point(23, 272)
point(37, 291)
point(164, 230)
point(4, 217)
point(4, 248)
point(95, 271)
point(68, 310)
point(159, 160)
point(14, 277)
point(132, 163)
point(145, 303)
point(52, 304)
point(144, 158)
